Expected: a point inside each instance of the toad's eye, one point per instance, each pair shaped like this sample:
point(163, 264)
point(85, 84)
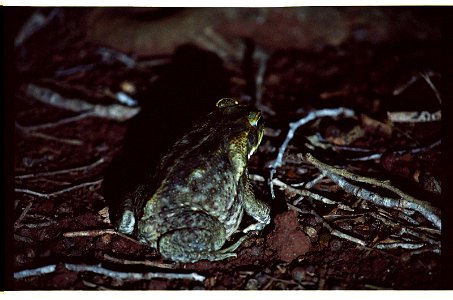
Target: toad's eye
point(254, 118)
point(226, 102)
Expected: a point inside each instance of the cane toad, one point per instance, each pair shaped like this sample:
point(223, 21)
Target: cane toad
point(203, 189)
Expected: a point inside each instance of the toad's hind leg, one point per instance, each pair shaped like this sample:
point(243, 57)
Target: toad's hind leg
point(202, 240)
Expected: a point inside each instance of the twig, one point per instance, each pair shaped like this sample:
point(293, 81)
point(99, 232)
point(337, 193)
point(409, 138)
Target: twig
point(426, 76)
point(311, 183)
point(217, 43)
point(23, 239)
point(413, 151)
point(26, 131)
point(22, 215)
point(332, 230)
point(139, 262)
point(35, 272)
point(402, 88)
point(113, 112)
point(426, 249)
point(405, 230)
point(130, 276)
point(65, 171)
point(292, 129)
point(103, 271)
point(312, 195)
point(65, 190)
point(35, 23)
point(98, 232)
point(399, 245)
point(414, 116)
point(406, 201)
point(109, 55)
point(411, 81)
point(56, 123)
point(74, 70)
point(374, 156)
point(421, 149)
point(385, 201)
point(40, 225)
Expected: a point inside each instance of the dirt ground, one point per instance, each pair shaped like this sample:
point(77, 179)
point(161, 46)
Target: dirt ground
point(99, 95)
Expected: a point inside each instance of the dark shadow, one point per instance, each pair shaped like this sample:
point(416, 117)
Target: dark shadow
point(187, 89)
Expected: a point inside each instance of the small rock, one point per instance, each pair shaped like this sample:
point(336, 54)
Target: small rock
point(252, 284)
point(335, 244)
point(299, 274)
point(311, 232)
point(106, 239)
point(287, 239)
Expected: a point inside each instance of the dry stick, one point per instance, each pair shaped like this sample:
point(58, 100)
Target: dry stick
point(406, 202)
point(56, 123)
point(333, 231)
point(312, 195)
point(37, 21)
point(411, 81)
point(25, 131)
point(385, 201)
point(56, 193)
point(113, 112)
point(40, 225)
point(22, 215)
point(426, 77)
point(292, 129)
point(413, 151)
point(217, 42)
point(397, 245)
point(35, 272)
point(23, 239)
point(426, 249)
point(403, 230)
point(111, 273)
point(65, 171)
point(139, 262)
point(130, 276)
point(98, 232)
point(311, 183)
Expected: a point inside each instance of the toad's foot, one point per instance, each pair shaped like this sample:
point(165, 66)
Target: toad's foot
point(257, 226)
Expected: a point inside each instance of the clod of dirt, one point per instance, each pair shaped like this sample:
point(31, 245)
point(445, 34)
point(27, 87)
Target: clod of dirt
point(287, 240)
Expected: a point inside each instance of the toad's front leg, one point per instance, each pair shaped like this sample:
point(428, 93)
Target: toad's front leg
point(257, 209)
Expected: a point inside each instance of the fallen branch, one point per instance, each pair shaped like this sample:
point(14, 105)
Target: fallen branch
point(405, 202)
point(397, 245)
point(112, 112)
point(65, 190)
point(126, 276)
point(332, 231)
point(312, 195)
point(148, 263)
point(56, 123)
point(292, 129)
point(65, 171)
point(131, 276)
point(35, 272)
point(98, 232)
point(414, 232)
point(41, 135)
point(427, 77)
point(22, 215)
